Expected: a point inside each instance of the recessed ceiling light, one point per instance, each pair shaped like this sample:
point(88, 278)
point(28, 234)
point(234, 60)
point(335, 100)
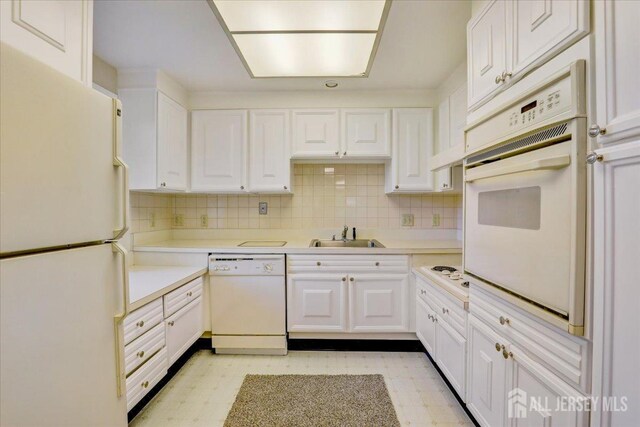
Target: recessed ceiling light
point(304, 38)
point(331, 84)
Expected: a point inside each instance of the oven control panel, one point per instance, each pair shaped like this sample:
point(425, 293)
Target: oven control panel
point(545, 104)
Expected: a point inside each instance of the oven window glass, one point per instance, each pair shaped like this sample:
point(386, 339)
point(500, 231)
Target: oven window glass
point(514, 208)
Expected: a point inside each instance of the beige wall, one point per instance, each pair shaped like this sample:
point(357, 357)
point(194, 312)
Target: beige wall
point(105, 75)
point(477, 5)
point(325, 196)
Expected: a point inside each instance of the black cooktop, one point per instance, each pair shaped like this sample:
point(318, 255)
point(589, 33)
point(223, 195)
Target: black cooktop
point(440, 268)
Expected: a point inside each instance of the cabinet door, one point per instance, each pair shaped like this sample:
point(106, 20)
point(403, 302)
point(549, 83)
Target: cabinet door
point(542, 28)
point(535, 396)
point(486, 51)
point(451, 355)
point(218, 150)
point(316, 133)
point(412, 150)
point(486, 388)
point(317, 303)
point(379, 303)
point(617, 57)
point(56, 32)
point(444, 127)
point(616, 209)
point(365, 133)
point(426, 326)
point(183, 329)
point(172, 144)
point(269, 151)
point(457, 116)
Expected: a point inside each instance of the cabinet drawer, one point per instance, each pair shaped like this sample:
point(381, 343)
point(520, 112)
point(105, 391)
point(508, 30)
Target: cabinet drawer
point(348, 264)
point(141, 320)
point(175, 300)
point(142, 348)
point(564, 354)
point(183, 329)
point(145, 378)
point(447, 307)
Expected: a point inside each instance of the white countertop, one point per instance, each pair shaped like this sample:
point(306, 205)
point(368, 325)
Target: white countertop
point(148, 282)
point(454, 288)
point(301, 246)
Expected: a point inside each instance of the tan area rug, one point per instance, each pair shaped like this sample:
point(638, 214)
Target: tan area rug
point(312, 400)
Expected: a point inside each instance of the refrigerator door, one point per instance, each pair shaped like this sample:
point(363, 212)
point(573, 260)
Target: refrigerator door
point(61, 181)
point(59, 351)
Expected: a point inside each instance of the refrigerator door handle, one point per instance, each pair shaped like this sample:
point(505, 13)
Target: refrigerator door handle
point(119, 163)
point(118, 319)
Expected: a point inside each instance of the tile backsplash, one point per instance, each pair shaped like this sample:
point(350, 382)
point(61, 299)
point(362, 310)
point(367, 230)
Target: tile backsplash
point(325, 196)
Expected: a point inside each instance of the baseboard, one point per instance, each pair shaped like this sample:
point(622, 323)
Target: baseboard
point(354, 345)
point(200, 344)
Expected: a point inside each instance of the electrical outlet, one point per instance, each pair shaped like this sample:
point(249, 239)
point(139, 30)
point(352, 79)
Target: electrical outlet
point(204, 221)
point(407, 220)
point(152, 219)
point(262, 208)
point(178, 220)
point(435, 220)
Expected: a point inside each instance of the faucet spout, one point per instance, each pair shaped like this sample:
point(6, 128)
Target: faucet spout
point(344, 232)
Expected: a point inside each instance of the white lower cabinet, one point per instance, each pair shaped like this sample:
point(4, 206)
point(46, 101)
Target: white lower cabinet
point(183, 329)
point(146, 377)
point(426, 326)
point(451, 355)
point(343, 294)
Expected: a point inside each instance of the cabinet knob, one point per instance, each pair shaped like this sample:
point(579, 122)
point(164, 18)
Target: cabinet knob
point(505, 74)
point(242, 187)
point(397, 186)
point(163, 184)
point(337, 153)
point(594, 157)
point(344, 154)
point(285, 187)
point(189, 293)
point(498, 79)
point(351, 279)
point(506, 354)
point(318, 263)
point(145, 384)
point(141, 353)
point(140, 324)
point(595, 130)
point(504, 320)
point(444, 185)
point(445, 310)
point(498, 348)
point(344, 279)
point(170, 323)
point(377, 263)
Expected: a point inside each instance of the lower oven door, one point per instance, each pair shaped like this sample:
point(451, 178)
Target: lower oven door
point(520, 222)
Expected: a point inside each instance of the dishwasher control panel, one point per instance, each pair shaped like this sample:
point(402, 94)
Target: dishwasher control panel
point(246, 265)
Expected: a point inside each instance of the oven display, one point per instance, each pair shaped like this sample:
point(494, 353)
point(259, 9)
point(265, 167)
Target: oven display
point(529, 106)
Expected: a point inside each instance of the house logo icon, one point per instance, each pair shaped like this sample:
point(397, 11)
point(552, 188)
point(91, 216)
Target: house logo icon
point(517, 403)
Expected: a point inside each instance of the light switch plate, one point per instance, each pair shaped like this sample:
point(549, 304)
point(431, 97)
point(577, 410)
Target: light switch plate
point(262, 208)
point(204, 221)
point(178, 220)
point(407, 220)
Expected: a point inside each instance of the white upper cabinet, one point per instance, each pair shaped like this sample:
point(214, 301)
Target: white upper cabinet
point(269, 151)
point(366, 133)
point(56, 32)
point(486, 51)
point(218, 150)
point(316, 133)
point(172, 144)
point(412, 151)
point(457, 117)
point(452, 119)
point(154, 134)
point(509, 38)
point(617, 55)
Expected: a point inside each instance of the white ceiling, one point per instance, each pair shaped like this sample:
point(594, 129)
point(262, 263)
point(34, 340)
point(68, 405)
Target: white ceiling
point(422, 42)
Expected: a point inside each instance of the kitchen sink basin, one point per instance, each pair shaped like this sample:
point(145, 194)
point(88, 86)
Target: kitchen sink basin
point(358, 243)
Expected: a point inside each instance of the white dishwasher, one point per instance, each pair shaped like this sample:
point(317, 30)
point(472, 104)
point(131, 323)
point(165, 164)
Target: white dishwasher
point(248, 304)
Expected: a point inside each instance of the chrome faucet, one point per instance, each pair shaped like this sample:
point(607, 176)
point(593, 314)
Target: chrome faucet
point(344, 232)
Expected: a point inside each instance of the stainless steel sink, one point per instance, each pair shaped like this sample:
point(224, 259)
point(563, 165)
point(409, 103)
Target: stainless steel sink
point(358, 243)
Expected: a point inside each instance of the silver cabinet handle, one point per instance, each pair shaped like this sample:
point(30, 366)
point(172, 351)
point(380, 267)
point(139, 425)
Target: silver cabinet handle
point(119, 163)
point(505, 74)
point(170, 323)
point(595, 130)
point(593, 157)
point(118, 318)
point(498, 79)
point(504, 320)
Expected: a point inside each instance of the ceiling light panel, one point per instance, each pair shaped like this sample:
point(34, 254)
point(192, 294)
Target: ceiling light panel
point(296, 15)
point(304, 38)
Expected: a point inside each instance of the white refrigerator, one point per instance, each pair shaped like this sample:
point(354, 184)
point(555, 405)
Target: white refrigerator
point(63, 275)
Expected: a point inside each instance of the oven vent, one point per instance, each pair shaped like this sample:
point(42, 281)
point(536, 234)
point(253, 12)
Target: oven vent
point(520, 144)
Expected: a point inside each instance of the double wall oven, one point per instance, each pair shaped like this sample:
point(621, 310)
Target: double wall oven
point(525, 200)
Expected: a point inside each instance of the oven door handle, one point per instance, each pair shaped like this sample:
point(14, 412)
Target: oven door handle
point(549, 163)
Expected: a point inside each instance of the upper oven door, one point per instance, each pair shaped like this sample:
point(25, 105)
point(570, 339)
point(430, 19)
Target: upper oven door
point(518, 224)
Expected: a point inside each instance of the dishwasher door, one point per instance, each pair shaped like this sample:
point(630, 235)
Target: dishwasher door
point(248, 305)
